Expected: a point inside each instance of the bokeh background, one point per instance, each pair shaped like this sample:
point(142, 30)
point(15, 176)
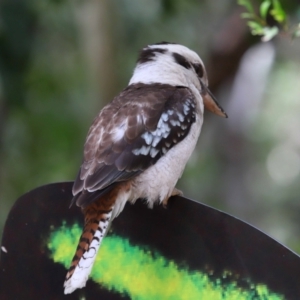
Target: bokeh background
point(62, 61)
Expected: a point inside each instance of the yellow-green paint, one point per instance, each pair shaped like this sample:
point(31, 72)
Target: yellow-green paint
point(142, 274)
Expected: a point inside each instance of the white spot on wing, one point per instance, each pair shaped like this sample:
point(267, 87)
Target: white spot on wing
point(166, 127)
point(165, 117)
point(153, 152)
point(156, 140)
point(3, 249)
point(158, 132)
point(160, 122)
point(148, 137)
point(180, 116)
point(144, 150)
point(186, 109)
point(136, 151)
point(174, 123)
point(166, 133)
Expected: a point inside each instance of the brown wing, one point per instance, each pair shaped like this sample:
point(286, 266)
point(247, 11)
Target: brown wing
point(130, 134)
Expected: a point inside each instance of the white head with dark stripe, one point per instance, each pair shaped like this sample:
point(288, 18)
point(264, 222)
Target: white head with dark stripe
point(174, 64)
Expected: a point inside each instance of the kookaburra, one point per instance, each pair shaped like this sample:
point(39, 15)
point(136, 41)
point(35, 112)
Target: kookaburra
point(139, 144)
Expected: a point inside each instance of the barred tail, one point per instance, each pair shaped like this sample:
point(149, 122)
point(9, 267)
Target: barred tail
point(96, 225)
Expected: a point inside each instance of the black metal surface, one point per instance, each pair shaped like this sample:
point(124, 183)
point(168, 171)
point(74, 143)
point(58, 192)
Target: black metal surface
point(186, 232)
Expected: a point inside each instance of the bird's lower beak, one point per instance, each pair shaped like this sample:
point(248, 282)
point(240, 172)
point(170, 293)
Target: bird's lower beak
point(211, 103)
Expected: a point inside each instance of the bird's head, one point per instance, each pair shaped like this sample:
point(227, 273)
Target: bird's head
point(174, 64)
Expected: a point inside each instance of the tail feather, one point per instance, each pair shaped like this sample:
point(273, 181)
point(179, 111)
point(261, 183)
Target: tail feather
point(96, 226)
point(98, 217)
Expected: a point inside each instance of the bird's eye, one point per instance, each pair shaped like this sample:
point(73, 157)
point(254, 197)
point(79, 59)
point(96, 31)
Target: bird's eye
point(199, 70)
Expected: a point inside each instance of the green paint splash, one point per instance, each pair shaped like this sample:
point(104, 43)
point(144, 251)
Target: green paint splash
point(137, 272)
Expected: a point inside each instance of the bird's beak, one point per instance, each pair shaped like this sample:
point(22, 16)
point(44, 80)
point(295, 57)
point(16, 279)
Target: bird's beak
point(210, 102)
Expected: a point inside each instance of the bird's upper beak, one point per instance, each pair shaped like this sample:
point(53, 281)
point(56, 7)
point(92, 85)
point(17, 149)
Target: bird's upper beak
point(210, 101)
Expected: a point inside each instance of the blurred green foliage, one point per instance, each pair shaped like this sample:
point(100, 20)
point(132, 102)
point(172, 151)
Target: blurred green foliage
point(269, 19)
point(61, 61)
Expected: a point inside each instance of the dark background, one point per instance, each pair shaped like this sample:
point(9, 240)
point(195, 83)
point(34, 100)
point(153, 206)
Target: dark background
point(61, 61)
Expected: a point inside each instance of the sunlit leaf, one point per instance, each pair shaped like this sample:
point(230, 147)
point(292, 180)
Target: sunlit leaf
point(264, 7)
point(277, 12)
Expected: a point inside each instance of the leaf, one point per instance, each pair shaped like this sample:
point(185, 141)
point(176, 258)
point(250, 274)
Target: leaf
point(269, 33)
point(264, 7)
point(256, 28)
point(277, 12)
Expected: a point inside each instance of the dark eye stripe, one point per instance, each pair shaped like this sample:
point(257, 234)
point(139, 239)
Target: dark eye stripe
point(198, 69)
point(181, 61)
point(149, 54)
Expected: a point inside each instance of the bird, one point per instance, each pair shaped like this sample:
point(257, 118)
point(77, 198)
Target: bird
point(138, 145)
